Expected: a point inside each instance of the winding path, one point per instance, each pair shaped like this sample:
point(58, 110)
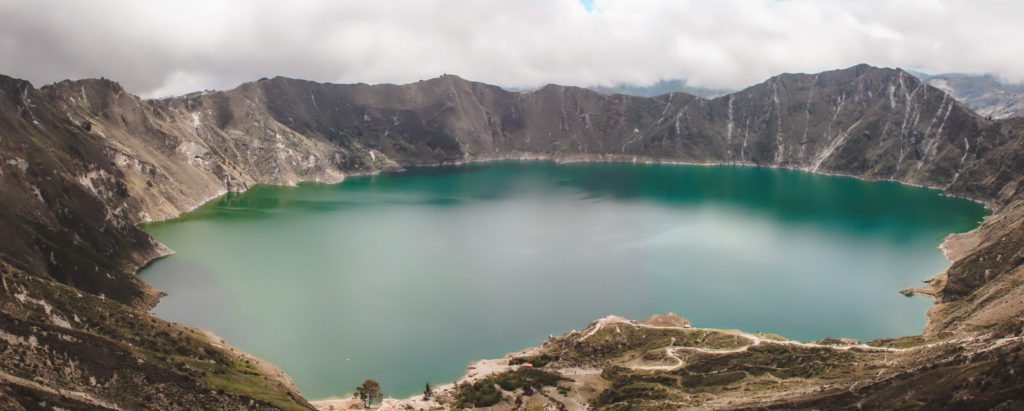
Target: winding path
point(755, 340)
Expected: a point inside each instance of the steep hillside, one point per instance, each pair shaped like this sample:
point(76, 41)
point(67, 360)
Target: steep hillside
point(83, 162)
point(986, 94)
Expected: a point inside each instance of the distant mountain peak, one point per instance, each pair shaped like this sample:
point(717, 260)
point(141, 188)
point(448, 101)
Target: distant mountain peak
point(659, 88)
point(986, 94)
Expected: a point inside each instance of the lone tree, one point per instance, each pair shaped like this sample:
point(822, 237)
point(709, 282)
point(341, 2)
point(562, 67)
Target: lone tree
point(369, 392)
point(427, 392)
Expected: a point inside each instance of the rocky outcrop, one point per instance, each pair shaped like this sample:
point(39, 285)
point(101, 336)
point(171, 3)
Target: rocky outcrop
point(83, 162)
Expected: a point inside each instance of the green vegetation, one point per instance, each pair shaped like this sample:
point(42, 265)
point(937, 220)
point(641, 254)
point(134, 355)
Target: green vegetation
point(899, 342)
point(243, 379)
point(485, 393)
point(778, 360)
point(427, 392)
point(631, 392)
point(757, 368)
point(479, 394)
point(713, 380)
point(525, 378)
point(369, 392)
point(535, 360)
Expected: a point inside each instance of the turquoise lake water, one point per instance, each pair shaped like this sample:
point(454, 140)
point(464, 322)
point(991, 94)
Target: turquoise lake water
point(408, 277)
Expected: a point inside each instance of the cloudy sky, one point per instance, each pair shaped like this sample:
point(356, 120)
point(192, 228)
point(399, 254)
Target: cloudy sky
point(157, 48)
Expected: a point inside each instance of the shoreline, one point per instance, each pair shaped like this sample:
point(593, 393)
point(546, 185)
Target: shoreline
point(163, 251)
point(483, 368)
point(633, 159)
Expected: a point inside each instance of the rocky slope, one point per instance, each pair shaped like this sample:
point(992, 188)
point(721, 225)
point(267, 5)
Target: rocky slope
point(83, 162)
point(986, 94)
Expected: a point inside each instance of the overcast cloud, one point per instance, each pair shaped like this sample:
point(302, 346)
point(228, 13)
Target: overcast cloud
point(157, 48)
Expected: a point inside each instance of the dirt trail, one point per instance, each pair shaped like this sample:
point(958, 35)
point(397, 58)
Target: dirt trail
point(754, 339)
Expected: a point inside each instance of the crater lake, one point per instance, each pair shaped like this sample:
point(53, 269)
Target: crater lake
point(407, 277)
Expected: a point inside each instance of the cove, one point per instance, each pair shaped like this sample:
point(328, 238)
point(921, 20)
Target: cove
point(407, 277)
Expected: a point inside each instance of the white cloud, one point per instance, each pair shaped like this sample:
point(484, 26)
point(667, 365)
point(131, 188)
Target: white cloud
point(160, 48)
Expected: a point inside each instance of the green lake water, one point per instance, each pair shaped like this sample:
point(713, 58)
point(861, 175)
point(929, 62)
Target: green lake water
point(408, 277)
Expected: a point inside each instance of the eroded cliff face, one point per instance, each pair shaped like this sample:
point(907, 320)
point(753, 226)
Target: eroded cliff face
point(83, 162)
